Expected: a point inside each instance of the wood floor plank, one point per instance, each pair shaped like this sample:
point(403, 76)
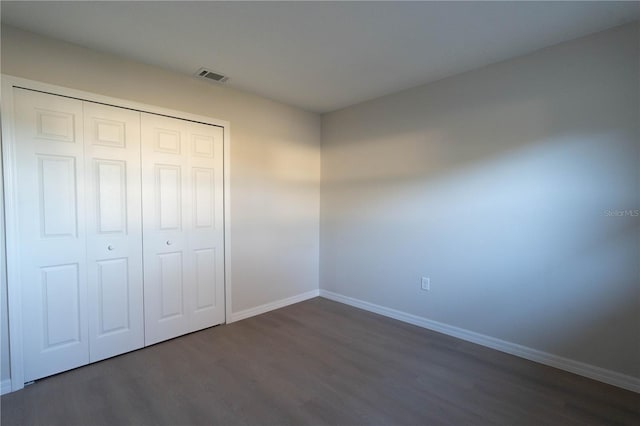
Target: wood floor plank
point(314, 363)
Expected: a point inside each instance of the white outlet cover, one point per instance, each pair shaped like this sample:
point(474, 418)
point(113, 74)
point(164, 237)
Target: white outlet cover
point(425, 283)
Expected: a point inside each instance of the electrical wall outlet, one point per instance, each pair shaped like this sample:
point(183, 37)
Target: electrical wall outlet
point(425, 283)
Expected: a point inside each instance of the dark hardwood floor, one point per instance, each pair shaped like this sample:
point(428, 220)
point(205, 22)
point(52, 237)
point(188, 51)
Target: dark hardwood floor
point(318, 362)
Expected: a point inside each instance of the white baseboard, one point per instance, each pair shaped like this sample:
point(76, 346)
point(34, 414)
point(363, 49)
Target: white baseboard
point(251, 312)
point(5, 386)
point(603, 375)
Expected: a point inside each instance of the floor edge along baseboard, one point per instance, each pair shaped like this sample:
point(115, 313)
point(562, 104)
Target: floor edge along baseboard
point(596, 373)
point(257, 310)
point(5, 386)
point(566, 364)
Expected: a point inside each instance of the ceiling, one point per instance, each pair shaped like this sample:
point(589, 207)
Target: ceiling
point(320, 56)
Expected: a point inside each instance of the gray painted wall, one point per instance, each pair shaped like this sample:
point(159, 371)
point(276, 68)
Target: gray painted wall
point(496, 184)
point(275, 159)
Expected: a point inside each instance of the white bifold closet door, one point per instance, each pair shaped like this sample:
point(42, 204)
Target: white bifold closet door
point(114, 230)
point(107, 195)
point(80, 231)
point(50, 172)
point(183, 226)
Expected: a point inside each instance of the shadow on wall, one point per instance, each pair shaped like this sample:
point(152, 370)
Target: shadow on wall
point(517, 194)
point(275, 187)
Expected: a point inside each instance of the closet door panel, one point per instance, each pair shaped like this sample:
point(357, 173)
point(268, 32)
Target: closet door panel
point(206, 237)
point(114, 230)
point(165, 198)
point(51, 175)
point(183, 232)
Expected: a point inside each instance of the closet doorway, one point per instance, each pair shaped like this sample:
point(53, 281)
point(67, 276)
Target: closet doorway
point(117, 226)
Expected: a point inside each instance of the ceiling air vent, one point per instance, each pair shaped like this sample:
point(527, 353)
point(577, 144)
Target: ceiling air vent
point(210, 75)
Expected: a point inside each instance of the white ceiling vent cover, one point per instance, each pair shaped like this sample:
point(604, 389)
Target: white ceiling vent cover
point(207, 74)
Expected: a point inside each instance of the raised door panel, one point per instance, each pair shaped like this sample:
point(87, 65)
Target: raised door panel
point(55, 125)
point(166, 201)
point(114, 230)
point(204, 193)
point(60, 306)
point(168, 187)
point(111, 196)
point(57, 192)
point(51, 178)
point(113, 300)
point(205, 278)
point(171, 285)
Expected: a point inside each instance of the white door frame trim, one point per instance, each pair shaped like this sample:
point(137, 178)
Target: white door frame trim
point(14, 299)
